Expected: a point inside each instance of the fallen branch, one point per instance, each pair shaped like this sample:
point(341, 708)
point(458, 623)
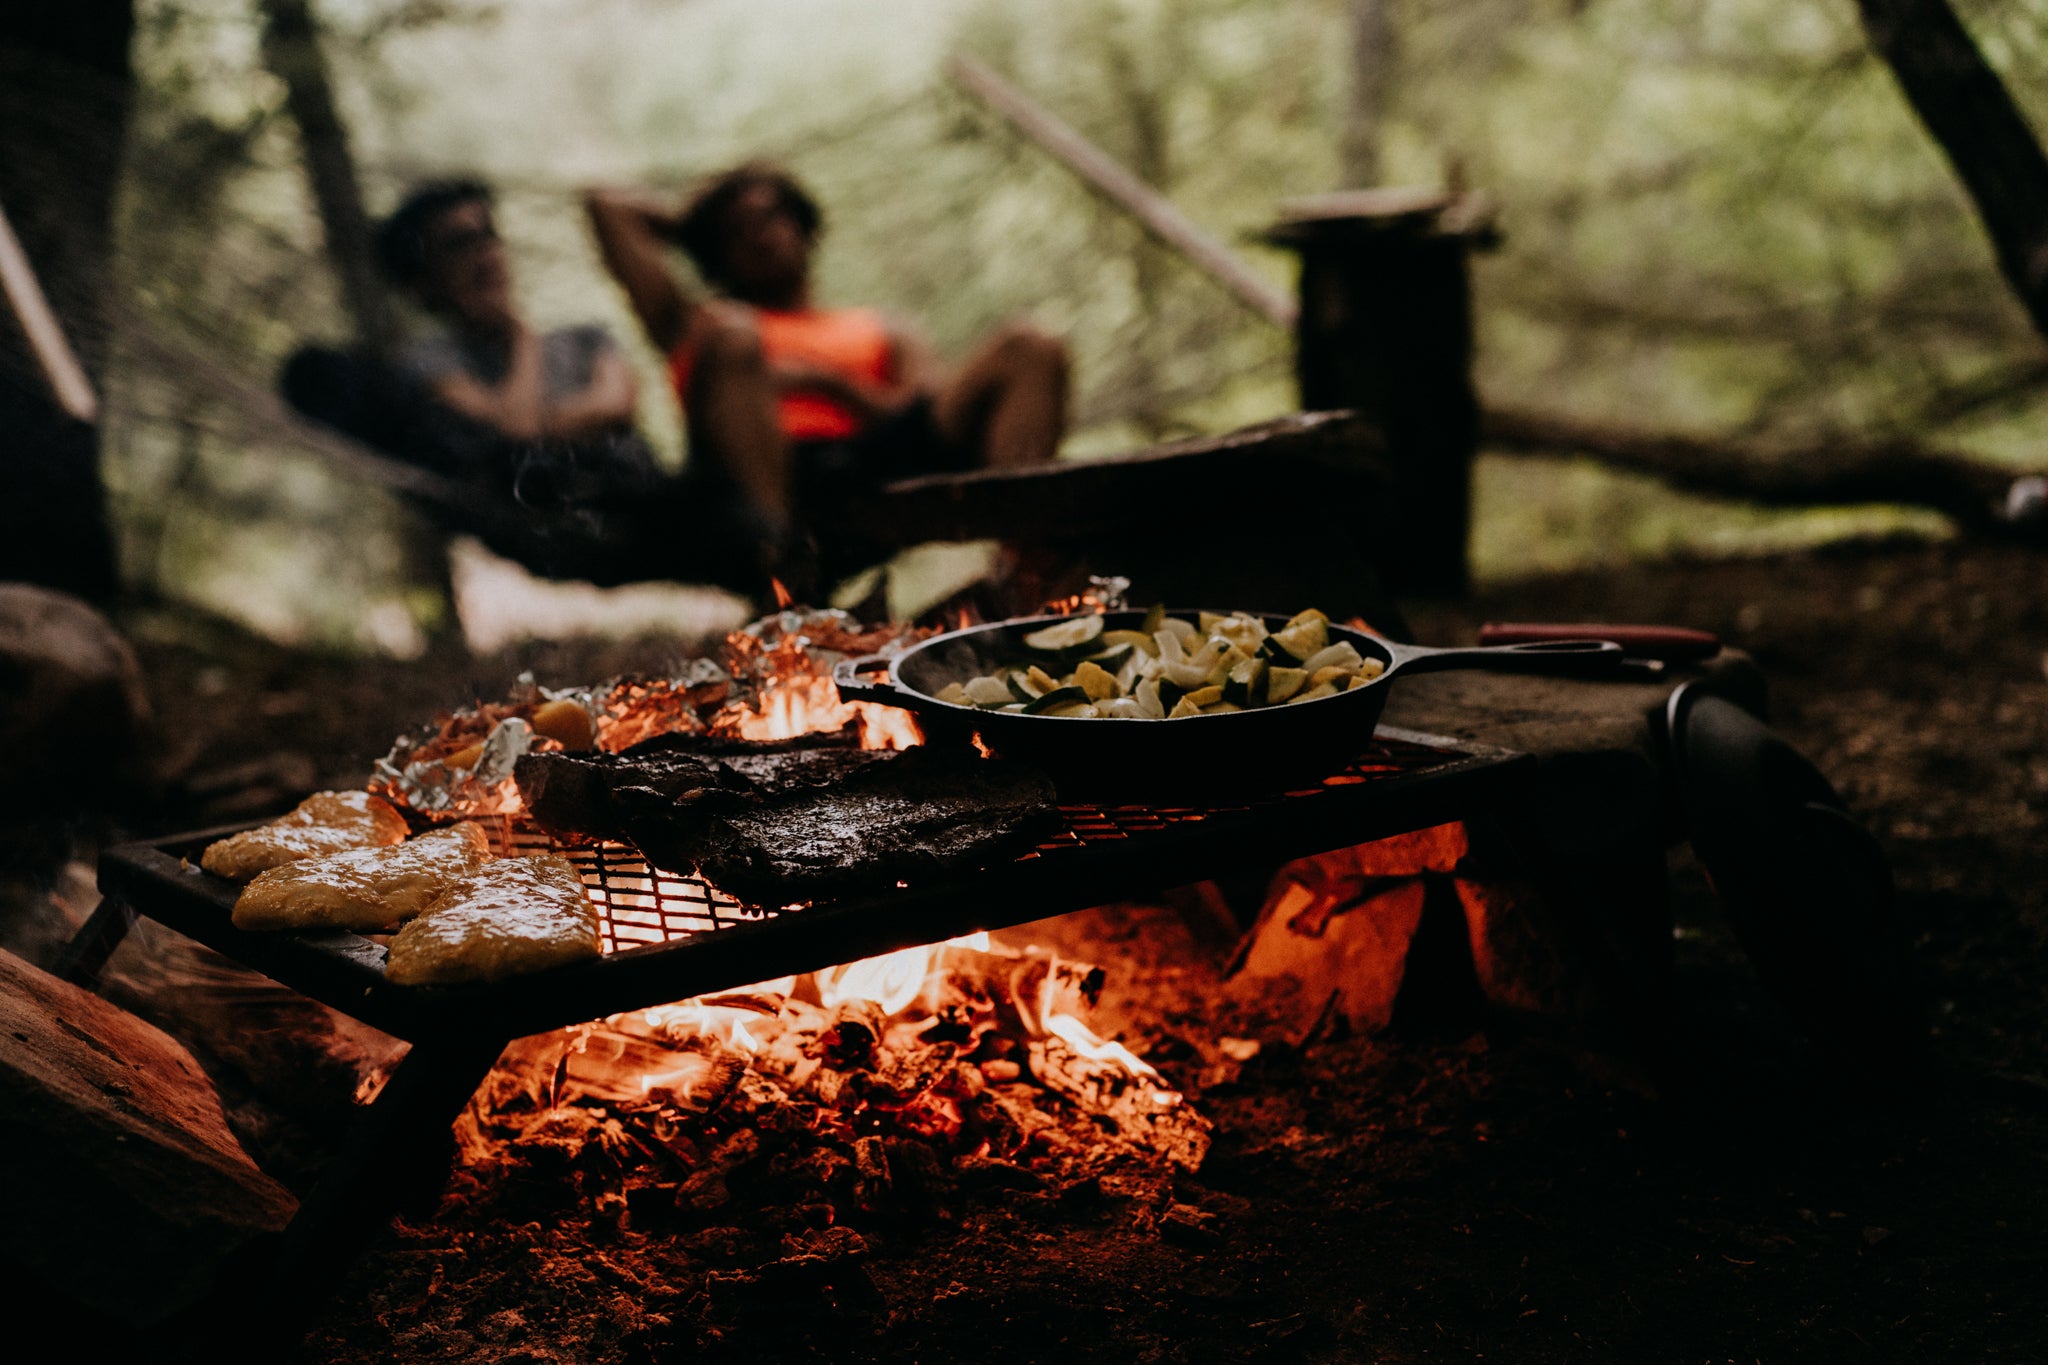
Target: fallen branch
point(1824, 474)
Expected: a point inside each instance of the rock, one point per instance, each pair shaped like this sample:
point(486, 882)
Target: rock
point(71, 731)
point(1338, 947)
point(1520, 952)
point(125, 1189)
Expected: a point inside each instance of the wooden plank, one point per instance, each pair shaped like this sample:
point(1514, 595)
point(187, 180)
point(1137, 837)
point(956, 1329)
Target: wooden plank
point(1159, 215)
point(1333, 455)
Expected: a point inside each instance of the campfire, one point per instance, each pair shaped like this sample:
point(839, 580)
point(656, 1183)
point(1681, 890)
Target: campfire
point(848, 1089)
point(955, 1061)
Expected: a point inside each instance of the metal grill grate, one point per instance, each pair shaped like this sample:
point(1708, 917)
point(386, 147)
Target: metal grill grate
point(641, 905)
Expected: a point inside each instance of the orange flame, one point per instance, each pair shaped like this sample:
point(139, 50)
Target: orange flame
point(796, 696)
point(783, 600)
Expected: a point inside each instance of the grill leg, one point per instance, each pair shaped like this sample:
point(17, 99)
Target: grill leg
point(85, 957)
point(403, 1132)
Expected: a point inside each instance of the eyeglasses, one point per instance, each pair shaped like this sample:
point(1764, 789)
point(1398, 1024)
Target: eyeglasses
point(462, 240)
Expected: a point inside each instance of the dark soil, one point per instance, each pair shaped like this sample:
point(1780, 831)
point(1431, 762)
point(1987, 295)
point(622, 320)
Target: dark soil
point(1465, 1195)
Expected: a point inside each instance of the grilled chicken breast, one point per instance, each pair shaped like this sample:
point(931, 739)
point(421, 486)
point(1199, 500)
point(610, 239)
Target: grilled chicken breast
point(509, 917)
point(365, 888)
point(324, 823)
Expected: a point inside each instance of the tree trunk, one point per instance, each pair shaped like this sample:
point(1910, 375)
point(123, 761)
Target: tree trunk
point(1968, 111)
point(291, 49)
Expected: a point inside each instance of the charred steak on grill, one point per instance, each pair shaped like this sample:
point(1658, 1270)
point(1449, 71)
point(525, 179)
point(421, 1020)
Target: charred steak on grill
point(787, 822)
point(576, 793)
point(921, 812)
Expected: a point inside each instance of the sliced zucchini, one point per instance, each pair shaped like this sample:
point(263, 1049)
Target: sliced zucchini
point(1136, 639)
point(1334, 674)
point(1316, 693)
point(1040, 680)
point(1061, 636)
point(1303, 617)
point(1022, 689)
point(1246, 685)
point(1155, 619)
point(1078, 710)
point(955, 693)
point(1110, 660)
point(1218, 708)
point(1370, 669)
point(1205, 696)
point(1183, 707)
point(1282, 683)
point(1245, 632)
point(1097, 682)
point(1055, 700)
point(1302, 638)
point(1170, 692)
point(987, 691)
point(1229, 658)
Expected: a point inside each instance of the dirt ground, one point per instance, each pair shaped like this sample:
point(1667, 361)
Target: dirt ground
point(1481, 1195)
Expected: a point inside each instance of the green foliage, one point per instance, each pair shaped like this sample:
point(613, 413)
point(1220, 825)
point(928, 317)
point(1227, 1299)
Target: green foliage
point(1720, 216)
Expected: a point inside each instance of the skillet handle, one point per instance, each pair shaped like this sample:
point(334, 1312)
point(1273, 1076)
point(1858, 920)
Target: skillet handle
point(1580, 657)
point(1670, 643)
point(852, 687)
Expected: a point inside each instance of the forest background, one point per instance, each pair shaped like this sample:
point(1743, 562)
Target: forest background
point(1719, 218)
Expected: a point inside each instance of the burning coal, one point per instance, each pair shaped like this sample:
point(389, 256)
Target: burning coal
point(955, 1058)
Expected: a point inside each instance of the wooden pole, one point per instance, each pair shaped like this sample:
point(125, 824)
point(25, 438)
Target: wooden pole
point(1372, 34)
point(1101, 173)
point(61, 370)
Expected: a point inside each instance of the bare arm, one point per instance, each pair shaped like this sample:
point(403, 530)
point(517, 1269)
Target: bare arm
point(628, 226)
point(605, 403)
point(515, 405)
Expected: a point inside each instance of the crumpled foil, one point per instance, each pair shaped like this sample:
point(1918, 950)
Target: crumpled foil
point(433, 787)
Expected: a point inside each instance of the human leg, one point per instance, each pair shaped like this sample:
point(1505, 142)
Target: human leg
point(1008, 403)
point(731, 410)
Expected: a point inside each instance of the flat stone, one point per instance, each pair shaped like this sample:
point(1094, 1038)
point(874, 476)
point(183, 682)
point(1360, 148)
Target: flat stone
point(125, 1190)
point(1330, 946)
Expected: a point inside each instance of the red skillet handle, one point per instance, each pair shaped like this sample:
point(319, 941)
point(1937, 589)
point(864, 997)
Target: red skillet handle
point(1672, 643)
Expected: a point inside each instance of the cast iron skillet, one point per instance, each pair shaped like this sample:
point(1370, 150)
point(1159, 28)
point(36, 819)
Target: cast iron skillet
point(1238, 752)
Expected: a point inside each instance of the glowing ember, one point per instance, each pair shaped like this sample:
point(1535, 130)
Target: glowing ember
point(1077, 1036)
point(943, 1042)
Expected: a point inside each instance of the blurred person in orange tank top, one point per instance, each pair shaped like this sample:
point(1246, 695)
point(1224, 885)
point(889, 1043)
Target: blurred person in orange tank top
point(797, 404)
